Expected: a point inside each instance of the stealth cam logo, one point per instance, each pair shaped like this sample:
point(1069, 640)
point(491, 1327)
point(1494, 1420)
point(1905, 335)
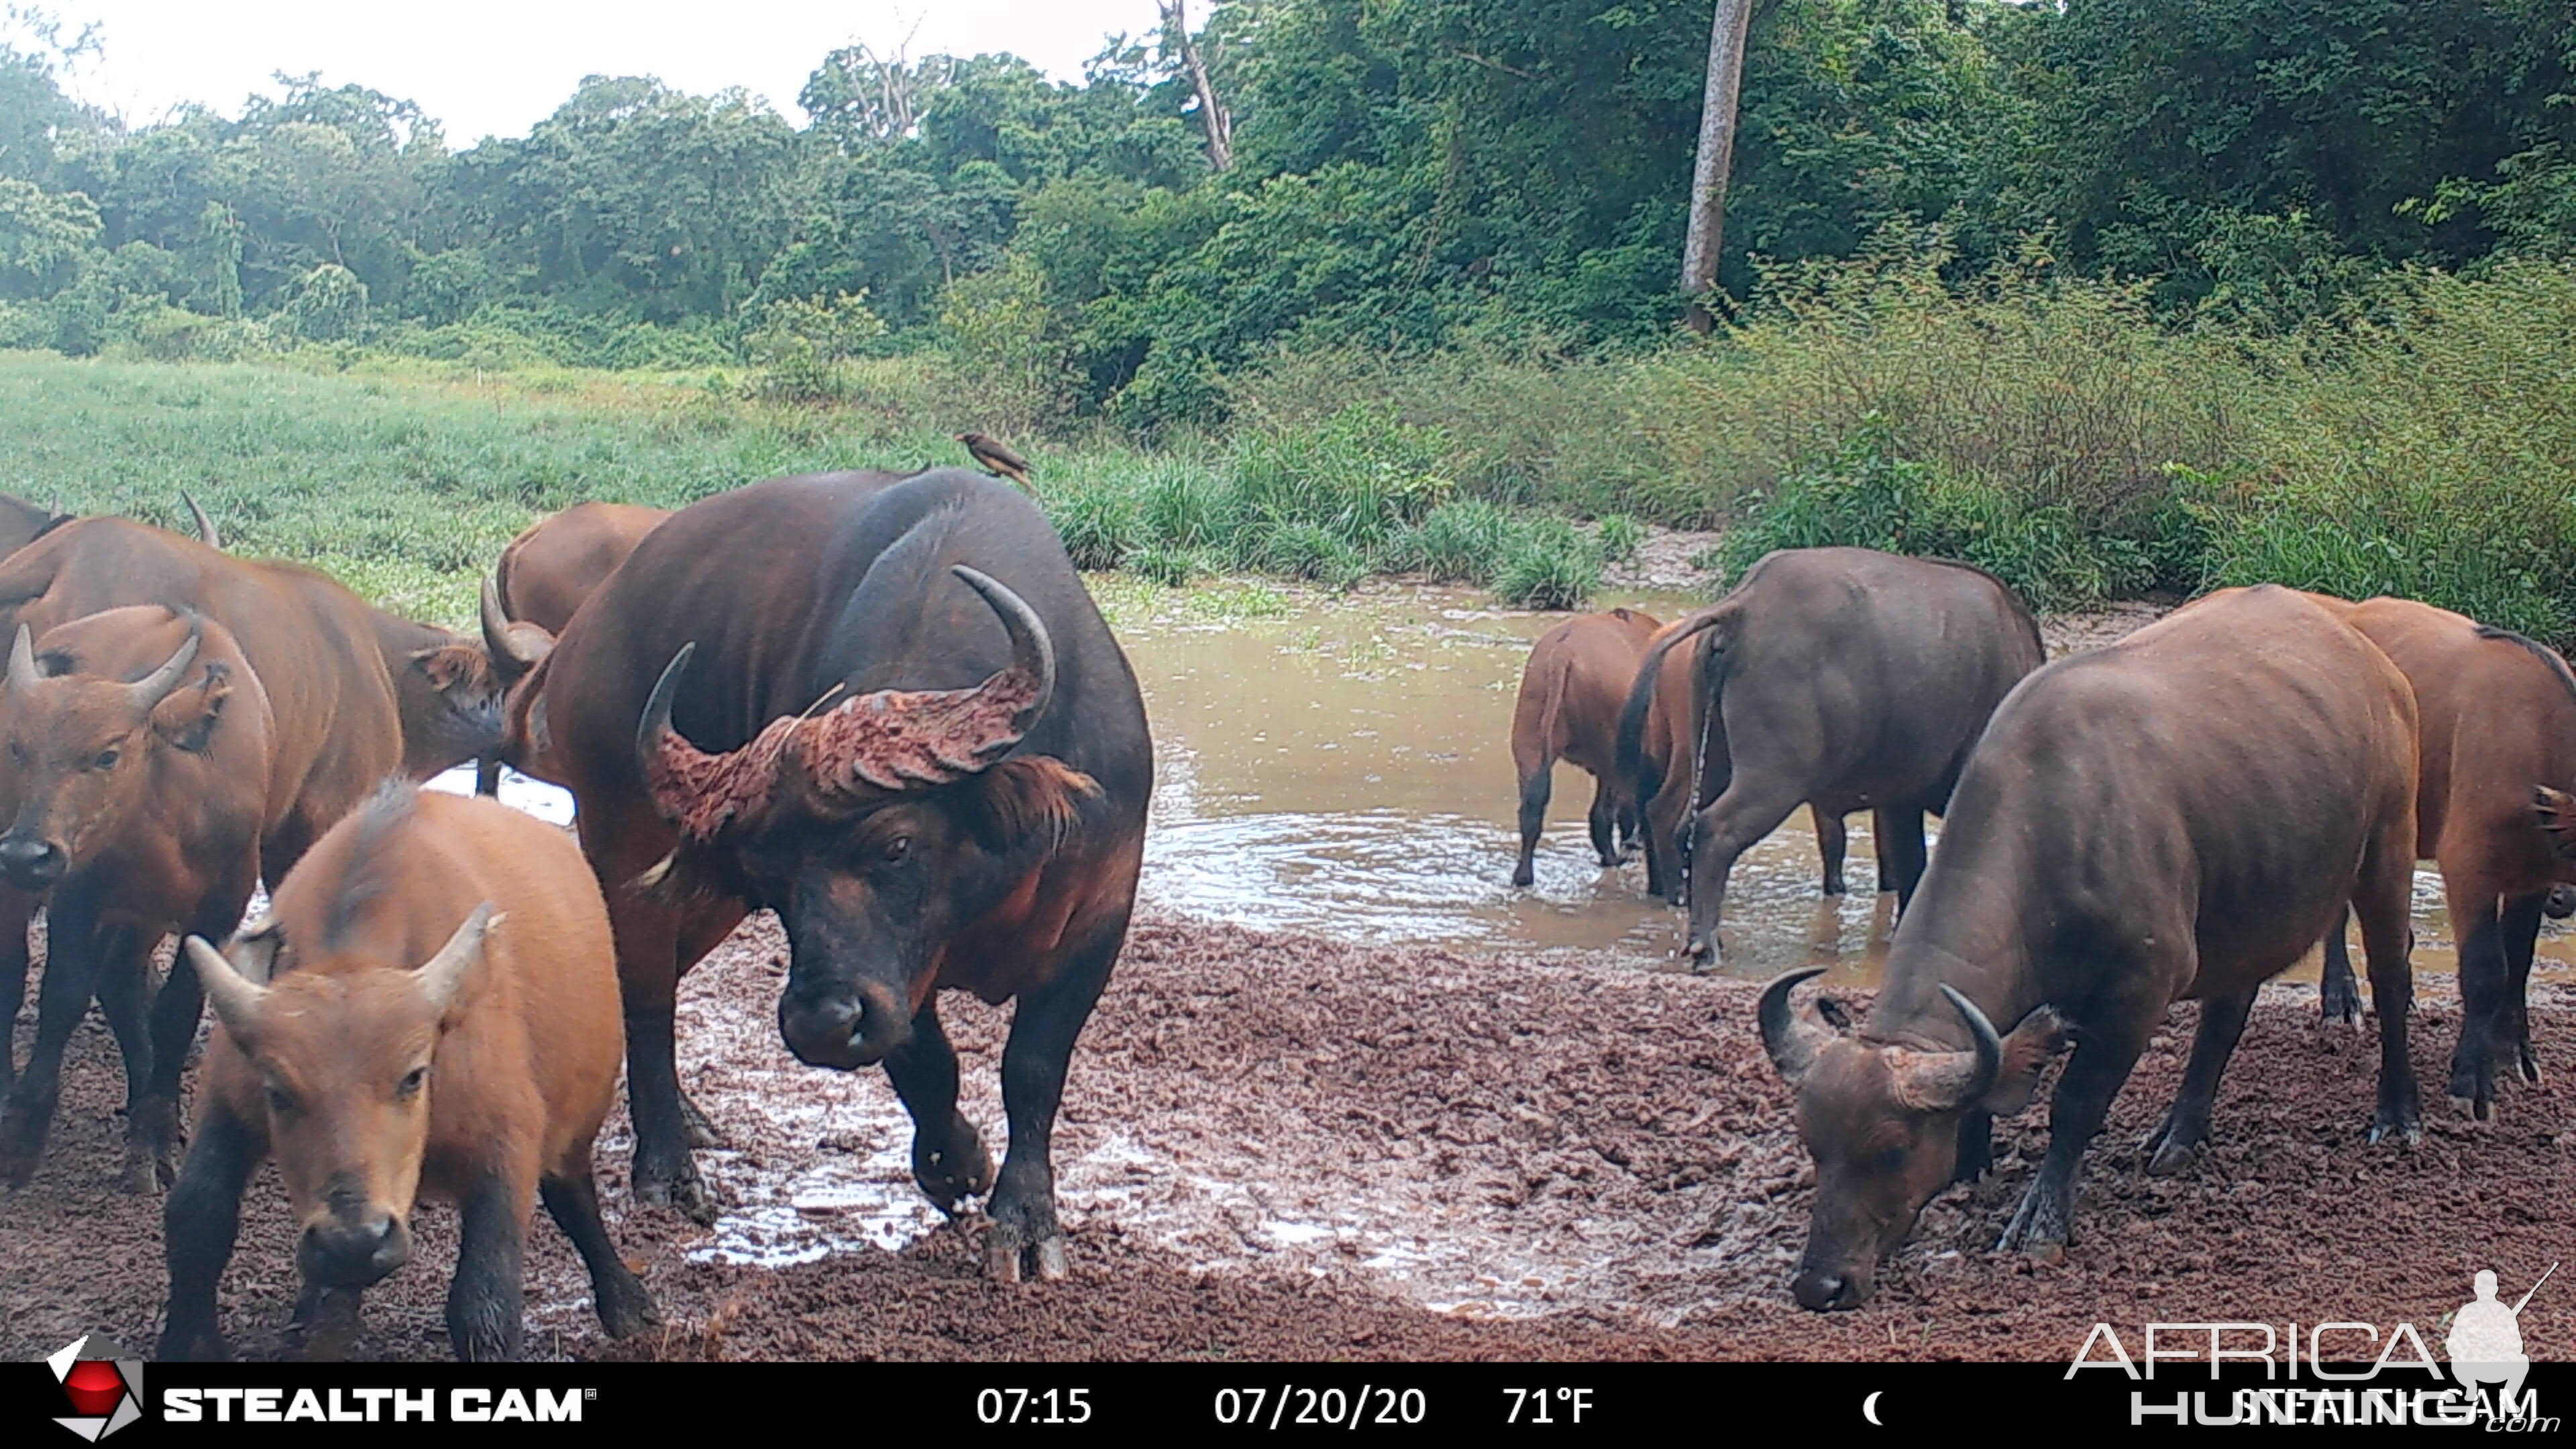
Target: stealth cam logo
point(104, 1386)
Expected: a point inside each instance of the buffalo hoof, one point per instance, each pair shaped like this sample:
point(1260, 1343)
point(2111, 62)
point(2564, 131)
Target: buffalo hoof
point(2472, 1090)
point(22, 1141)
point(2339, 1004)
point(1523, 876)
point(683, 1191)
point(699, 1131)
point(2398, 1126)
point(625, 1308)
point(1009, 1258)
point(2038, 1228)
point(2527, 1065)
point(954, 1172)
point(180, 1345)
point(2173, 1157)
point(1834, 885)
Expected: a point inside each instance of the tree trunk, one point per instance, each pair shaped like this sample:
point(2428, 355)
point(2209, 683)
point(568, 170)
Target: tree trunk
point(1716, 156)
point(1213, 116)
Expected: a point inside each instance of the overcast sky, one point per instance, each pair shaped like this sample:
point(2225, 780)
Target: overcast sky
point(497, 67)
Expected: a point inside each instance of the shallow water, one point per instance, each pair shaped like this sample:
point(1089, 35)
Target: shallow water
point(1343, 765)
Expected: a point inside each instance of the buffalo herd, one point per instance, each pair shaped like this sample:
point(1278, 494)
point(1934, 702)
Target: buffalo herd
point(884, 707)
point(2182, 814)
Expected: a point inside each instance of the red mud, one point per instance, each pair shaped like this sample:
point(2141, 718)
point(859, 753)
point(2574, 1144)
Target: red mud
point(1609, 1148)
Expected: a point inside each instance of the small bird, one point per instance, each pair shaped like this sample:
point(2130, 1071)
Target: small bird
point(995, 457)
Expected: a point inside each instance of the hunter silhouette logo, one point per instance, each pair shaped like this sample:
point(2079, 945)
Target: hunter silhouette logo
point(104, 1386)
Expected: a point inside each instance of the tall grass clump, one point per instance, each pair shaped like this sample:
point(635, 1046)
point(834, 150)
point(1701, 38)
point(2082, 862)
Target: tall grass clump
point(1862, 495)
point(2429, 453)
point(1548, 565)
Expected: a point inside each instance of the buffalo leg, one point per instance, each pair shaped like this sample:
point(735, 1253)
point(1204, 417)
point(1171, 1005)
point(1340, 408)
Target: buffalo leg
point(2174, 1146)
point(1604, 821)
point(156, 1134)
point(124, 972)
point(1026, 1238)
point(199, 1224)
point(1726, 829)
point(72, 954)
point(2482, 988)
point(1832, 841)
point(2044, 1224)
point(1901, 853)
point(2339, 991)
point(2384, 902)
point(1627, 827)
point(948, 1157)
point(487, 775)
point(571, 1197)
point(487, 1302)
point(17, 910)
point(1976, 1145)
point(1534, 791)
point(2521, 930)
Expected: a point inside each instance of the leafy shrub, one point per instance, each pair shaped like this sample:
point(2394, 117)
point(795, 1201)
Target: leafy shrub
point(1549, 565)
point(1619, 537)
point(1462, 541)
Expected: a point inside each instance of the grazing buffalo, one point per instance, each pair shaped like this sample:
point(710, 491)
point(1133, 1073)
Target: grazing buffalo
point(2180, 814)
point(1571, 691)
point(348, 679)
point(429, 1009)
point(542, 577)
point(1844, 677)
point(1663, 770)
point(137, 787)
point(886, 709)
point(2498, 718)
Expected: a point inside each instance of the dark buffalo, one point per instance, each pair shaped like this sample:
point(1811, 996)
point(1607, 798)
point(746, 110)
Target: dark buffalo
point(428, 1010)
point(138, 786)
point(22, 522)
point(1664, 774)
point(542, 577)
point(2180, 814)
point(1571, 690)
point(1852, 679)
point(887, 710)
point(2499, 719)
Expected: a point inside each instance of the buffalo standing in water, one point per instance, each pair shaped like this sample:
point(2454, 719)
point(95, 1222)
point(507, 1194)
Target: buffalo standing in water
point(2180, 814)
point(1854, 679)
point(1568, 709)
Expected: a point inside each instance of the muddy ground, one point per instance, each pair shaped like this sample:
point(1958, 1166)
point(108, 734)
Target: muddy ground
point(1279, 1146)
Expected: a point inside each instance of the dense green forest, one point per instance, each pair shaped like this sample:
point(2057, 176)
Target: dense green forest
point(2110, 294)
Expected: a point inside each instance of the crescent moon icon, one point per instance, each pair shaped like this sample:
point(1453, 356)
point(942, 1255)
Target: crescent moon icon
point(1869, 1410)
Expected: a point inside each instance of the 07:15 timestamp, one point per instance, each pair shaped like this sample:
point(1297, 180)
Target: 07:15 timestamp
point(1033, 1406)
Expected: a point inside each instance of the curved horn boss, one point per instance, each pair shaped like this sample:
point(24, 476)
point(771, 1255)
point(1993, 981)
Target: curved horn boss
point(885, 742)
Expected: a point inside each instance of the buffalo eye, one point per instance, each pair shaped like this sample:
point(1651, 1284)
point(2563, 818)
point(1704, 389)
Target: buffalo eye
point(107, 759)
point(280, 1101)
point(17, 753)
point(1891, 1160)
point(410, 1085)
point(897, 848)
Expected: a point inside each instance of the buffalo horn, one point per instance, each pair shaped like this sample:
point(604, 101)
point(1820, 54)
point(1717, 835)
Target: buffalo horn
point(514, 647)
point(235, 997)
point(1948, 1081)
point(1791, 1039)
point(441, 974)
point(1032, 652)
point(22, 660)
point(656, 721)
point(151, 689)
point(205, 526)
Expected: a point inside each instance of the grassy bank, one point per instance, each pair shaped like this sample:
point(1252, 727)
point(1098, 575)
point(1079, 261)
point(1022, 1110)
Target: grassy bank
point(2422, 443)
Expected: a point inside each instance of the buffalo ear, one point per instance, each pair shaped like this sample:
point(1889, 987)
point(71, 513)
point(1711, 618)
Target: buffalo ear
point(1031, 799)
point(186, 717)
point(449, 667)
point(2027, 1048)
